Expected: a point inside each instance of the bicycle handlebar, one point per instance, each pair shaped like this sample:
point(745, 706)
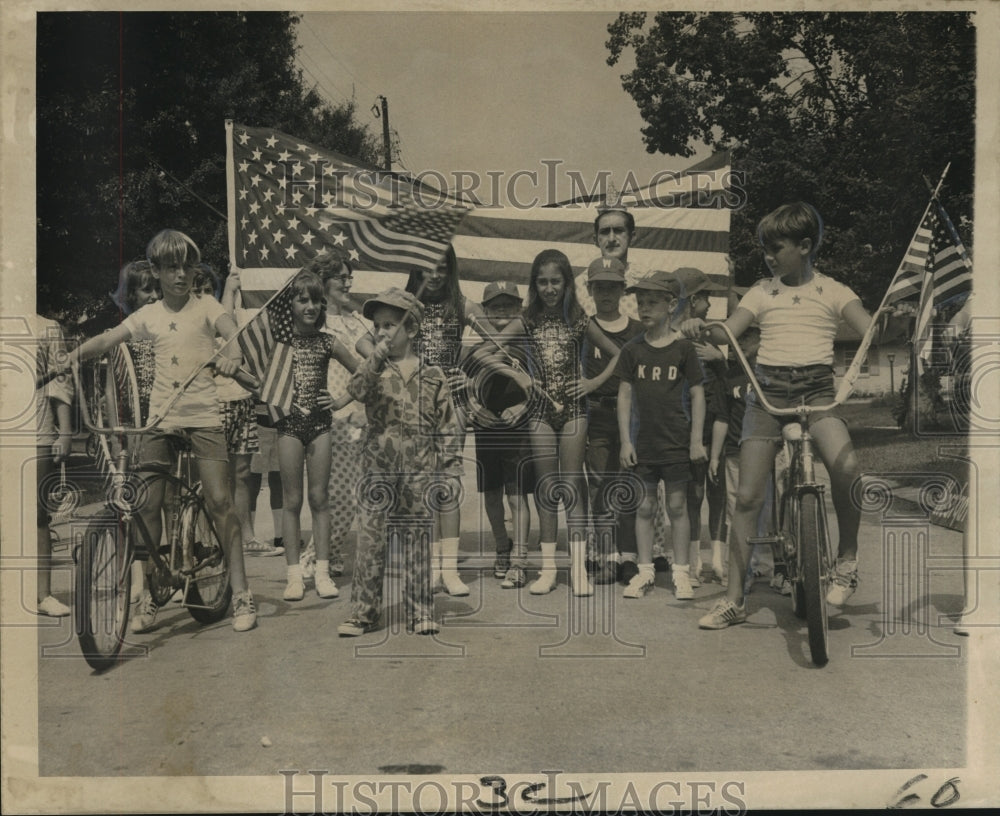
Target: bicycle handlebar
point(795, 410)
point(243, 377)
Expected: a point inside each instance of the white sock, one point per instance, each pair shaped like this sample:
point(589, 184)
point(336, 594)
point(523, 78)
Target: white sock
point(294, 573)
point(323, 567)
point(548, 556)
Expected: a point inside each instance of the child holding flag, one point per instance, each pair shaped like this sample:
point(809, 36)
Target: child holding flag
point(304, 431)
point(182, 329)
point(798, 310)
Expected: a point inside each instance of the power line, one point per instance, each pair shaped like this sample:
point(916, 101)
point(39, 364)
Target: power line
point(325, 76)
point(334, 57)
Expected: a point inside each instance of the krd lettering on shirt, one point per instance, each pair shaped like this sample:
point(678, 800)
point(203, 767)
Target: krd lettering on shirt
point(655, 374)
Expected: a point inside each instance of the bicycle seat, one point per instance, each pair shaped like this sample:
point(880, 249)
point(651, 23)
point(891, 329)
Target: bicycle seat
point(792, 432)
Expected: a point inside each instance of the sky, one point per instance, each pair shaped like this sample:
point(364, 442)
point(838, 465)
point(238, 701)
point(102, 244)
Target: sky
point(488, 92)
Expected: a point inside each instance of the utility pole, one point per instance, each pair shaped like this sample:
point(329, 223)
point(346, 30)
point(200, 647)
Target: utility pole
point(386, 144)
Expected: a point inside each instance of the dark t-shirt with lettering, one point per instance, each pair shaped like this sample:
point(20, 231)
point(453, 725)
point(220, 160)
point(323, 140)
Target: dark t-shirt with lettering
point(661, 426)
point(594, 360)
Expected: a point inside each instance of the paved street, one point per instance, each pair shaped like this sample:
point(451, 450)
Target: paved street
point(521, 683)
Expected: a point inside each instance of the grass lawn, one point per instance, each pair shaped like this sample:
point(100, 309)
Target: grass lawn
point(882, 447)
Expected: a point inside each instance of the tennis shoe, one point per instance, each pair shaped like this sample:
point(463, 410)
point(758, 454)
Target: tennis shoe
point(352, 627)
point(638, 586)
point(52, 608)
point(514, 578)
point(244, 611)
point(325, 587)
point(145, 620)
point(780, 583)
point(845, 581)
point(724, 613)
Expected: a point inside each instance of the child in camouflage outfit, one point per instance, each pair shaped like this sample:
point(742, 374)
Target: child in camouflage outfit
point(410, 453)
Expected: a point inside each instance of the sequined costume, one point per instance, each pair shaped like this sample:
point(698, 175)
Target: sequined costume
point(412, 443)
point(440, 344)
point(555, 352)
point(311, 357)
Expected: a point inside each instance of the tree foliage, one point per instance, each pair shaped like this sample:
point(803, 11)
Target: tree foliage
point(131, 111)
point(849, 111)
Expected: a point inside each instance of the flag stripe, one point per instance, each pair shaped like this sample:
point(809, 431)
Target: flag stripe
point(291, 206)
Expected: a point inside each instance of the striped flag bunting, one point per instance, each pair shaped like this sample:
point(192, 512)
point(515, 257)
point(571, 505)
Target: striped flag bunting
point(935, 254)
point(266, 344)
point(292, 200)
point(936, 267)
point(948, 273)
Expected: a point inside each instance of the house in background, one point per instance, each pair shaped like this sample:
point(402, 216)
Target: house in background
point(886, 364)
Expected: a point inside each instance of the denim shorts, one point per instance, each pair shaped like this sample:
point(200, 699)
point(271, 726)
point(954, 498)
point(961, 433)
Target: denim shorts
point(157, 448)
point(785, 387)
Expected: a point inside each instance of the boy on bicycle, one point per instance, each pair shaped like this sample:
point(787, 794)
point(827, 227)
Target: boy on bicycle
point(798, 310)
point(182, 329)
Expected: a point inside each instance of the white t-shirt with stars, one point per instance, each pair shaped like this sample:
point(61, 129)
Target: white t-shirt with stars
point(182, 341)
point(797, 323)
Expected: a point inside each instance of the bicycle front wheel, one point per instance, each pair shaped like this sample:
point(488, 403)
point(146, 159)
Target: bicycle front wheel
point(813, 578)
point(790, 538)
point(209, 593)
point(103, 581)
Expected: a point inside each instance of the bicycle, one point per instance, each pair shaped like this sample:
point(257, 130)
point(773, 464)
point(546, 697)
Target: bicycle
point(192, 559)
point(801, 541)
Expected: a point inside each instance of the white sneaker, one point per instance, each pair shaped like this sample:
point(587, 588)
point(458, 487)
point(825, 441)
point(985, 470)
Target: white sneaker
point(638, 587)
point(294, 591)
point(145, 618)
point(52, 608)
point(683, 590)
point(845, 581)
point(325, 587)
point(244, 611)
point(780, 583)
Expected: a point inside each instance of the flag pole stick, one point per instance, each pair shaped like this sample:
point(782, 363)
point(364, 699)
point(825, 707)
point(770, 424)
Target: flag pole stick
point(230, 194)
point(852, 373)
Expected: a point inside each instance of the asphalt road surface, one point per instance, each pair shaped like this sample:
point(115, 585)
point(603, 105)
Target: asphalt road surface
point(520, 683)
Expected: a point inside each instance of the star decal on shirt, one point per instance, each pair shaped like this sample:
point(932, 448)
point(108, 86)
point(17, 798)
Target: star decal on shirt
point(174, 361)
point(775, 292)
point(176, 384)
point(796, 299)
point(173, 327)
point(819, 290)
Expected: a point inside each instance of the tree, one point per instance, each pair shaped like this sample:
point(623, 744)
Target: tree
point(130, 125)
point(848, 111)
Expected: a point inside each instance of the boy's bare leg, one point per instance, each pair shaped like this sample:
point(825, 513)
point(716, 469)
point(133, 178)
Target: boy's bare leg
point(837, 452)
point(644, 526)
point(756, 460)
point(219, 502)
point(239, 477)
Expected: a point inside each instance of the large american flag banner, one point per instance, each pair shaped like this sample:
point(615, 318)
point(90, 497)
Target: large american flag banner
point(291, 200)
